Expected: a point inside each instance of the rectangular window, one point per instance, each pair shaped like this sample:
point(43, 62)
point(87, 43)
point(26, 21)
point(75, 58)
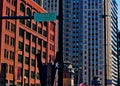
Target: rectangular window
point(39, 41)
point(28, 23)
point(32, 74)
point(12, 41)
point(20, 45)
point(7, 25)
point(52, 26)
point(27, 35)
point(12, 13)
point(21, 32)
point(44, 33)
point(39, 30)
point(6, 53)
point(33, 62)
point(44, 54)
point(33, 39)
point(26, 73)
point(27, 48)
point(11, 69)
point(12, 55)
point(20, 58)
point(44, 44)
point(51, 37)
point(34, 27)
point(13, 27)
point(27, 60)
point(45, 24)
point(7, 11)
point(33, 51)
point(14, 2)
point(6, 39)
point(37, 75)
point(22, 21)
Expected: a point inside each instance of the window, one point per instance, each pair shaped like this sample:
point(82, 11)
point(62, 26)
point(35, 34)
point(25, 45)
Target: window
point(13, 2)
point(6, 53)
point(44, 33)
point(12, 55)
point(32, 74)
point(27, 35)
point(8, 1)
point(39, 30)
point(44, 44)
point(52, 26)
point(22, 7)
point(7, 25)
point(27, 60)
point(20, 45)
point(27, 48)
point(28, 23)
point(33, 39)
point(7, 11)
point(51, 37)
point(6, 39)
point(39, 41)
point(33, 51)
point(11, 69)
point(44, 54)
point(26, 73)
point(20, 58)
point(28, 12)
point(33, 62)
point(12, 41)
point(37, 75)
point(21, 32)
point(22, 21)
point(45, 24)
point(13, 27)
point(12, 13)
point(34, 27)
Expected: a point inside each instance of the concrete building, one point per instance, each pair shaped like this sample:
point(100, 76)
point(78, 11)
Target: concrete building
point(21, 40)
point(84, 41)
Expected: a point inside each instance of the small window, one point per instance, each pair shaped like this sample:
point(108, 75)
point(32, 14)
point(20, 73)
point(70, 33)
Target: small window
point(7, 25)
point(20, 58)
point(22, 21)
point(13, 27)
point(33, 62)
point(34, 27)
point(32, 74)
point(12, 55)
point(21, 32)
point(12, 41)
point(44, 44)
point(33, 51)
point(28, 12)
point(20, 45)
point(45, 24)
point(27, 35)
point(27, 60)
point(14, 2)
point(6, 39)
point(22, 8)
point(28, 23)
point(26, 73)
point(44, 33)
point(11, 69)
point(39, 30)
point(27, 48)
point(7, 11)
point(44, 54)
point(6, 53)
point(39, 41)
point(33, 39)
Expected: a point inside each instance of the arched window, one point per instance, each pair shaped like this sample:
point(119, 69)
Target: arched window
point(22, 7)
point(28, 12)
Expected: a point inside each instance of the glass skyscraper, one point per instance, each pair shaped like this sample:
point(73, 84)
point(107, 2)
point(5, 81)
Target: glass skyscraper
point(84, 41)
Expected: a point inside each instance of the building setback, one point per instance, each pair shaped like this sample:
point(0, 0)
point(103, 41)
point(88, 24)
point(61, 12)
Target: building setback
point(84, 41)
point(22, 39)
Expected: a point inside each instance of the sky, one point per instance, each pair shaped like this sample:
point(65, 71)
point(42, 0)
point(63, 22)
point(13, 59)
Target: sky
point(118, 2)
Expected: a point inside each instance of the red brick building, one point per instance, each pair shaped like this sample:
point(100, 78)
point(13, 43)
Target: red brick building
point(22, 39)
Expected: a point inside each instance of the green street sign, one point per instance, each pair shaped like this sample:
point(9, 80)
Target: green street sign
point(39, 17)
